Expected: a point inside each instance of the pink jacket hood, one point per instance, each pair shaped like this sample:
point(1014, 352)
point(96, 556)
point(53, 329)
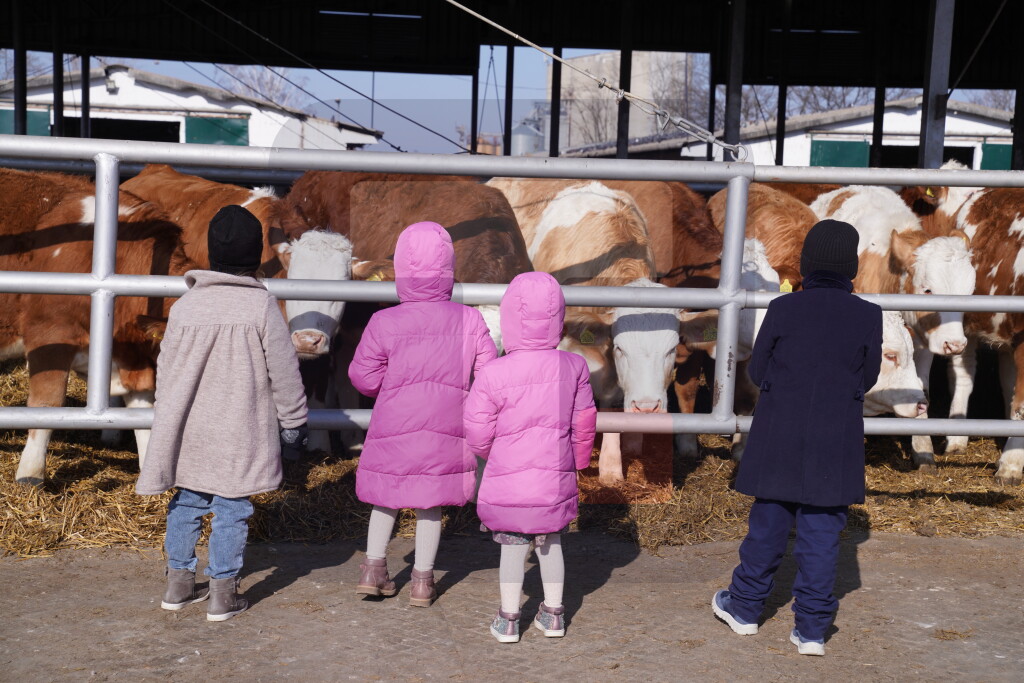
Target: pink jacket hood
point(424, 263)
point(532, 312)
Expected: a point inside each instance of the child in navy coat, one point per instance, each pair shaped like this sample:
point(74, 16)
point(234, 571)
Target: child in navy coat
point(817, 353)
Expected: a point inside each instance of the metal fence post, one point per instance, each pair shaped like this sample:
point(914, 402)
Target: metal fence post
point(101, 318)
point(729, 314)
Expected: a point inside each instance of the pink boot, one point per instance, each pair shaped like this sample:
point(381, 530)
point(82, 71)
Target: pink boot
point(423, 591)
point(374, 579)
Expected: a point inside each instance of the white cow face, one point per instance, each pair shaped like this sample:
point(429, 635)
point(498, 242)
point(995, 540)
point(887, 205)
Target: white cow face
point(644, 342)
point(898, 389)
point(939, 266)
point(316, 255)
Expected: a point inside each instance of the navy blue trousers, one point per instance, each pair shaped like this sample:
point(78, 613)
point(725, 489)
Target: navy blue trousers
point(816, 552)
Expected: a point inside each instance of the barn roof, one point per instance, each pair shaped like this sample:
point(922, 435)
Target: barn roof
point(763, 129)
point(177, 85)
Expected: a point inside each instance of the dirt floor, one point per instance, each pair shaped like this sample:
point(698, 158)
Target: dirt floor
point(912, 608)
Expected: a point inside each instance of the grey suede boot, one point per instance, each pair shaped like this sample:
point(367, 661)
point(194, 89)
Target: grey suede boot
point(374, 579)
point(181, 589)
point(224, 599)
point(423, 590)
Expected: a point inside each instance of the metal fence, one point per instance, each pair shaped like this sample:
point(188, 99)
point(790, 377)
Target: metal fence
point(271, 164)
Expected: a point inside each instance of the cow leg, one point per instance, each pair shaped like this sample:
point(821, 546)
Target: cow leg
point(923, 453)
point(687, 384)
point(111, 438)
point(962, 368)
point(1011, 462)
point(140, 399)
point(48, 371)
point(609, 463)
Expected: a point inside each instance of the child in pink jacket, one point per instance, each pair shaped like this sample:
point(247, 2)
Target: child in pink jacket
point(531, 414)
point(417, 359)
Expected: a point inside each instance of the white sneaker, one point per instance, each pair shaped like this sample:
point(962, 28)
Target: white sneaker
point(720, 604)
point(807, 647)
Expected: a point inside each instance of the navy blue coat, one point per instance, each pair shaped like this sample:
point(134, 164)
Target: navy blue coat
point(816, 354)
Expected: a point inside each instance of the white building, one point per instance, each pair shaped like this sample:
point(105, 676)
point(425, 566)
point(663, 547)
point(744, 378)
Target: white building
point(131, 104)
point(978, 136)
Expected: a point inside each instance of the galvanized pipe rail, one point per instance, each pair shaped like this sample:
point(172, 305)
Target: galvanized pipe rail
point(110, 156)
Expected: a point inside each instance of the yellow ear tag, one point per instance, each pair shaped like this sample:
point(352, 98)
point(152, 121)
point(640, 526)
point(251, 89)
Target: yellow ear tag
point(710, 334)
point(928, 191)
point(785, 286)
point(374, 278)
point(587, 337)
point(157, 336)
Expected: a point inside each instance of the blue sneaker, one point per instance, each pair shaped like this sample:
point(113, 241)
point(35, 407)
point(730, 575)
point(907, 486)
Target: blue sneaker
point(805, 646)
point(722, 606)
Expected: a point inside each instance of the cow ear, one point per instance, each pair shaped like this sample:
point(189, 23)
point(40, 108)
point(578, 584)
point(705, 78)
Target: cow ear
point(902, 247)
point(962, 235)
point(284, 253)
point(383, 269)
point(588, 328)
point(699, 331)
point(153, 328)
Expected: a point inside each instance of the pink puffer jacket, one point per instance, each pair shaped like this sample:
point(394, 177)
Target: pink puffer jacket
point(417, 359)
point(531, 414)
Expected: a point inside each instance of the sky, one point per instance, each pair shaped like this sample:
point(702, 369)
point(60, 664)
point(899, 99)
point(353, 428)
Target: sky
point(440, 103)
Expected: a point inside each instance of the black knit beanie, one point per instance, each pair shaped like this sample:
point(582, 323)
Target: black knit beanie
point(830, 245)
point(235, 241)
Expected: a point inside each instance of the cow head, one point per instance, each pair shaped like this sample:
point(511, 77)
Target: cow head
point(899, 388)
point(941, 265)
point(316, 255)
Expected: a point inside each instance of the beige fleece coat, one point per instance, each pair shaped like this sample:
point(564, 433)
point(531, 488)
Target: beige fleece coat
point(227, 382)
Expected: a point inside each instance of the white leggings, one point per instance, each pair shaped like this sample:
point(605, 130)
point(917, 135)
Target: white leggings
point(512, 571)
point(428, 534)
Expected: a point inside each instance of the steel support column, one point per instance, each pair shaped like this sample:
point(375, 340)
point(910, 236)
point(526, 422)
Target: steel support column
point(474, 108)
point(58, 75)
point(734, 86)
point(877, 128)
point(85, 128)
point(510, 61)
point(625, 76)
point(554, 127)
point(20, 70)
point(936, 84)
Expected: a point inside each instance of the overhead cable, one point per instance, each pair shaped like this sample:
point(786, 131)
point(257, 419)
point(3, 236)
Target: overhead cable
point(646, 106)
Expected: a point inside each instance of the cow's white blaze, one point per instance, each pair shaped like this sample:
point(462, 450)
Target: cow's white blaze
point(316, 255)
point(644, 342)
point(260, 193)
point(898, 389)
point(943, 266)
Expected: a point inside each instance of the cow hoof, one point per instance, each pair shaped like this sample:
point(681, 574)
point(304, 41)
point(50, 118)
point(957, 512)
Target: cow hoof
point(927, 468)
point(956, 444)
point(1009, 479)
point(29, 481)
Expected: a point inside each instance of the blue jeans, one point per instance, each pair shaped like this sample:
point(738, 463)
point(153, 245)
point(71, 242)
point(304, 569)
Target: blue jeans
point(230, 528)
point(816, 551)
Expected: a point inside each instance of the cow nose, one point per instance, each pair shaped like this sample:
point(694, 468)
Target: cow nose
point(309, 342)
point(645, 406)
point(922, 408)
point(954, 347)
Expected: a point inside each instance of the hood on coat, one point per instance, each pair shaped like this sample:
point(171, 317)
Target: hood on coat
point(424, 263)
point(206, 278)
point(532, 312)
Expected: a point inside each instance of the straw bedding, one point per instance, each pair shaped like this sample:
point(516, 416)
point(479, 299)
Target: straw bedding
point(88, 499)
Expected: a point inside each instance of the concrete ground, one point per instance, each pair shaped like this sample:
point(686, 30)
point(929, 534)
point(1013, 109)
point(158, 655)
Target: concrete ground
point(912, 608)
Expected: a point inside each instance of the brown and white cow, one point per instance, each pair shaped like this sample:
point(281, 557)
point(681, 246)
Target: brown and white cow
point(585, 233)
point(993, 219)
point(46, 225)
point(805, 192)
point(896, 256)
point(936, 205)
point(778, 220)
point(192, 202)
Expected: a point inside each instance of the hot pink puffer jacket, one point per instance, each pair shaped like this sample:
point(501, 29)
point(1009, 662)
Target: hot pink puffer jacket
point(417, 359)
point(531, 414)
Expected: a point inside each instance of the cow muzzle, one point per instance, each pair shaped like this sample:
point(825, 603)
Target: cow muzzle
point(649, 406)
point(310, 344)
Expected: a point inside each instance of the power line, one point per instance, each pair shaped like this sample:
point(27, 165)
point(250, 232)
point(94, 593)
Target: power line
point(324, 73)
point(279, 75)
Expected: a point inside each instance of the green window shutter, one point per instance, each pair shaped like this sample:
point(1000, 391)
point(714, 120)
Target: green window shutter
point(839, 153)
point(38, 122)
point(995, 157)
point(216, 131)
